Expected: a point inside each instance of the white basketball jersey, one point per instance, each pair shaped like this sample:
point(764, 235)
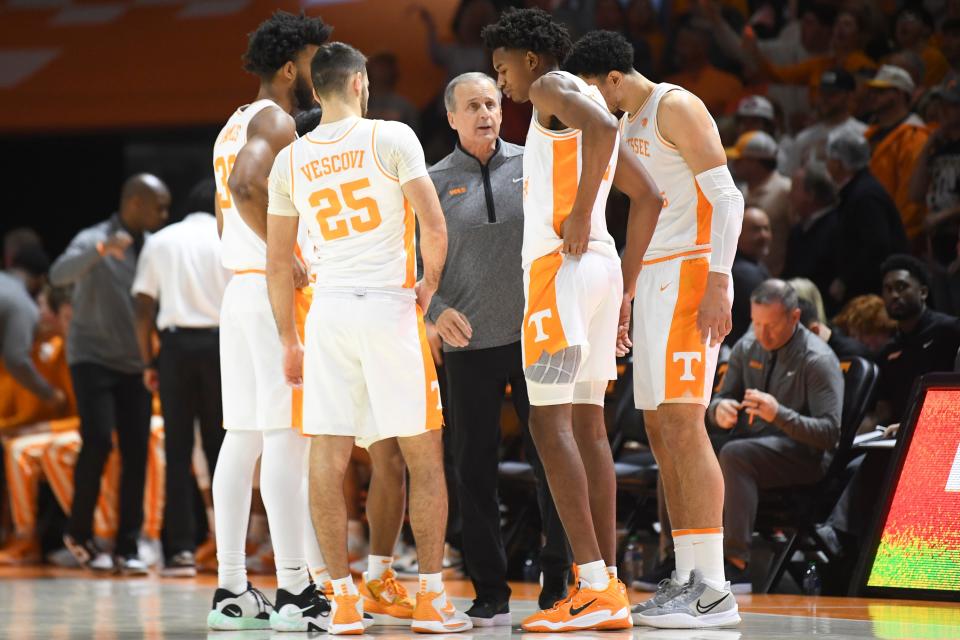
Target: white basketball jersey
point(360, 225)
point(552, 163)
point(684, 223)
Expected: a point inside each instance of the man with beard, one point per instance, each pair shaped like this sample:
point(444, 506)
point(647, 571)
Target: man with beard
point(260, 412)
point(361, 187)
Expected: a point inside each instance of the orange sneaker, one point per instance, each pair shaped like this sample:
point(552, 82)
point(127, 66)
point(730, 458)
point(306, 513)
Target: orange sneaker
point(386, 599)
point(585, 609)
point(20, 551)
point(327, 589)
point(346, 615)
point(435, 614)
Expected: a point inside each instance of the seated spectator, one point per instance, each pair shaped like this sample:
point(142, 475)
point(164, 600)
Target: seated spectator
point(717, 89)
point(896, 140)
point(782, 397)
point(748, 270)
point(869, 227)
point(384, 102)
point(950, 43)
point(833, 109)
point(841, 345)
point(808, 291)
point(846, 52)
point(925, 340)
point(937, 174)
point(810, 246)
point(755, 113)
point(913, 28)
point(754, 164)
point(17, 239)
point(865, 320)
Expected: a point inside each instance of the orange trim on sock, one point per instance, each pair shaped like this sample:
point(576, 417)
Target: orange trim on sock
point(690, 532)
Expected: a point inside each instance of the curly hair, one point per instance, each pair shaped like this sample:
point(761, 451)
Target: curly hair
point(905, 262)
point(598, 53)
point(864, 315)
point(529, 30)
point(279, 39)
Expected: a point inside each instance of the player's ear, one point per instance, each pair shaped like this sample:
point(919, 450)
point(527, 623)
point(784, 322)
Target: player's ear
point(316, 96)
point(532, 60)
point(289, 70)
point(358, 83)
point(615, 77)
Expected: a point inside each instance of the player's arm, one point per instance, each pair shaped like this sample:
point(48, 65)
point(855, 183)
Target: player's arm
point(270, 131)
point(556, 96)
point(219, 213)
point(283, 222)
point(145, 311)
point(645, 206)
point(422, 195)
point(685, 122)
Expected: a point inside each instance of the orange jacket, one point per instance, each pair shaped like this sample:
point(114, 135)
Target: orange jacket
point(892, 164)
point(20, 407)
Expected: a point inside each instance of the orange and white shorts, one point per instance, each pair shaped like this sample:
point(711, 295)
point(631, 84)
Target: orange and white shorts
point(572, 302)
point(256, 396)
point(670, 362)
point(367, 368)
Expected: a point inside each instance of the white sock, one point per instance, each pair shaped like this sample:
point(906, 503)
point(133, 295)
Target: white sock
point(292, 575)
point(613, 572)
point(282, 486)
point(232, 489)
point(431, 582)
point(344, 586)
point(377, 566)
point(708, 556)
point(594, 575)
point(320, 576)
point(683, 550)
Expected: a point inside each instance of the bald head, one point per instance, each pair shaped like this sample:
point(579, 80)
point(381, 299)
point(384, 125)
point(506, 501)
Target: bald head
point(755, 235)
point(144, 202)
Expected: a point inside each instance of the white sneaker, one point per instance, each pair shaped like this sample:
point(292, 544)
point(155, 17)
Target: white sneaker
point(239, 611)
point(697, 605)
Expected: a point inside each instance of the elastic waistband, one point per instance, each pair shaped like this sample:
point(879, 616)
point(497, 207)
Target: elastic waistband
point(360, 292)
point(680, 254)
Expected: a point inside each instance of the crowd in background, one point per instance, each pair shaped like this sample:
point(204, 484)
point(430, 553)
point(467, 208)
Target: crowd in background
point(842, 126)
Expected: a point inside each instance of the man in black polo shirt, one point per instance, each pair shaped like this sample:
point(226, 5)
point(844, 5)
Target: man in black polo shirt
point(926, 341)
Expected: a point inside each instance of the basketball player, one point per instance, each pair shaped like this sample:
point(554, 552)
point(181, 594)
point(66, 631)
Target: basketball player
point(258, 409)
point(574, 292)
point(366, 366)
point(682, 314)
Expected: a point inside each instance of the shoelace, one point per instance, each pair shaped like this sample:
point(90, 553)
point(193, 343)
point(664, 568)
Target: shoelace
point(662, 586)
point(396, 590)
point(264, 603)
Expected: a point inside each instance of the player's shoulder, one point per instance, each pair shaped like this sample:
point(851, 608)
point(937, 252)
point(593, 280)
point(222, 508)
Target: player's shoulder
point(390, 128)
point(271, 121)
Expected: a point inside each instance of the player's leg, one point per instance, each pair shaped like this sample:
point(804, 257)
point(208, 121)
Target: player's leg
point(385, 598)
point(23, 471)
point(594, 447)
point(329, 457)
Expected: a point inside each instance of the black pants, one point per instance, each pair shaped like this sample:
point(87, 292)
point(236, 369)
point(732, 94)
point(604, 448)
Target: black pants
point(189, 370)
point(476, 388)
point(106, 400)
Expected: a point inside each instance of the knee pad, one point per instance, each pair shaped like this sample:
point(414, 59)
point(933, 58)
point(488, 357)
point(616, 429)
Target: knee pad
point(559, 368)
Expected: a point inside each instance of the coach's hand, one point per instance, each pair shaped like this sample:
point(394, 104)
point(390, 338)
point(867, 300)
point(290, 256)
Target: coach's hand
point(293, 364)
point(624, 344)
point(301, 275)
point(576, 233)
point(713, 317)
point(454, 328)
point(116, 245)
point(763, 405)
point(725, 415)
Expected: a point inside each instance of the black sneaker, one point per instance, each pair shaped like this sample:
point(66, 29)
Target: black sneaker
point(179, 565)
point(306, 611)
point(488, 614)
point(88, 554)
point(738, 578)
point(651, 581)
point(239, 611)
point(553, 590)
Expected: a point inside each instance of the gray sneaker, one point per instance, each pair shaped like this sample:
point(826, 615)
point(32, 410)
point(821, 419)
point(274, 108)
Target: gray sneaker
point(697, 605)
point(667, 590)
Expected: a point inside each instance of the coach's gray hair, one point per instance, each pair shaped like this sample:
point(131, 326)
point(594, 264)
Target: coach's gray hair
point(774, 290)
point(818, 183)
point(450, 102)
point(851, 149)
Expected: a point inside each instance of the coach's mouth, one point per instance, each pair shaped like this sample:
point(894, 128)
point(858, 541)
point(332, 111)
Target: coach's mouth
point(485, 128)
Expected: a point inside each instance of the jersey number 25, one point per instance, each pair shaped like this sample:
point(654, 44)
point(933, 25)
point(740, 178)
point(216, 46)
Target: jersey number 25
point(365, 212)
